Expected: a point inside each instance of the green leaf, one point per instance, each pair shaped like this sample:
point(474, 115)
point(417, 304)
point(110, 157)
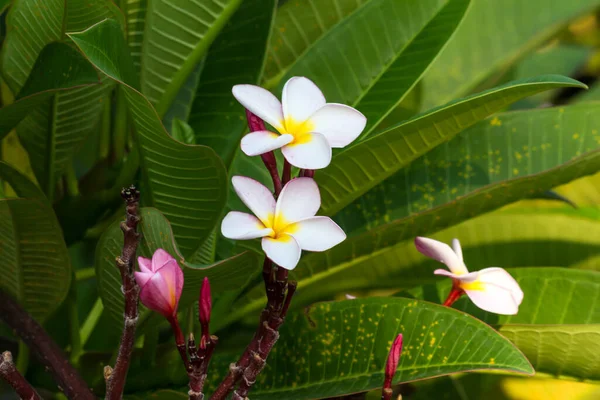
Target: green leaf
point(156, 233)
point(22, 186)
point(524, 25)
point(182, 104)
point(35, 266)
point(194, 173)
point(58, 68)
point(217, 119)
point(392, 44)
point(176, 38)
point(135, 20)
point(340, 348)
point(182, 131)
point(297, 28)
point(558, 324)
point(361, 167)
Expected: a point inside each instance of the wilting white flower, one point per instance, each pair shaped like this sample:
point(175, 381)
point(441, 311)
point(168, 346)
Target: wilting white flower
point(491, 289)
point(287, 226)
point(308, 126)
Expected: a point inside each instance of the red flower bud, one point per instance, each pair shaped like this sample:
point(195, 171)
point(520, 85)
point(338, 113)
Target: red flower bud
point(205, 305)
point(392, 361)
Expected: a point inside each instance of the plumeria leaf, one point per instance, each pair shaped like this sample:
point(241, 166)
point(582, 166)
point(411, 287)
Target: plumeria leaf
point(195, 173)
point(459, 68)
point(218, 120)
point(55, 129)
point(36, 268)
point(339, 348)
point(361, 167)
point(182, 132)
point(175, 40)
point(558, 323)
point(395, 42)
point(295, 32)
point(47, 78)
point(156, 233)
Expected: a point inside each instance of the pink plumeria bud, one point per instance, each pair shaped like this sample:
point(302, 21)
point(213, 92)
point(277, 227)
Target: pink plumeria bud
point(491, 289)
point(307, 126)
point(393, 357)
point(161, 283)
point(205, 303)
point(287, 225)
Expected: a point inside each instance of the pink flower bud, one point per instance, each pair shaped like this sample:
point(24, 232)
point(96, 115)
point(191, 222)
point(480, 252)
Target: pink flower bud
point(205, 303)
point(392, 361)
point(161, 283)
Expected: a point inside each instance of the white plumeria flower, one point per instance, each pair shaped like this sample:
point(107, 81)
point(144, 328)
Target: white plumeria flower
point(287, 226)
point(491, 289)
point(308, 126)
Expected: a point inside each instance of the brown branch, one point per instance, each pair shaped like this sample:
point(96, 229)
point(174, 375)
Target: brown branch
point(44, 348)
point(252, 361)
point(9, 373)
point(115, 378)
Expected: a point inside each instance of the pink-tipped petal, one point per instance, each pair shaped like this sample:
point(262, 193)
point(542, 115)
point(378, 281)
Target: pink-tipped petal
point(241, 226)
point(155, 296)
point(261, 103)
point(256, 197)
point(160, 258)
point(145, 264)
point(284, 252)
point(498, 292)
point(312, 153)
point(339, 123)
point(317, 233)
point(300, 99)
point(299, 199)
point(261, 142)
point(173, 277)
point(143, 277)
point(440, 252)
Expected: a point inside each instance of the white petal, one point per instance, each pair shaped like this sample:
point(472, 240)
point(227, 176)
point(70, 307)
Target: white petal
point(441, 252)
point(340, 124)
point(256, 197)
point(314, 153)
point(299, 199)
point(284, 252)
point(300, 99)
point(495, 290)
point(470, 277)
point(457, 249)
point(260, 102)
point(242, 226)
point(316, 233)
point(261, 142)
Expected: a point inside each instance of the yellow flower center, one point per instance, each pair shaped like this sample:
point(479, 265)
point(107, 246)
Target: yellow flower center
point(476, 285)
point(281, 227)
point(299, 130)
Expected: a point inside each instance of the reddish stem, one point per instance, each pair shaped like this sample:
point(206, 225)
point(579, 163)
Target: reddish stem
point(115, 378)
point(286, 176)
point(44, 348)
point(455, 293)
point(179, 341)
point(256, 124)
point(9, 373)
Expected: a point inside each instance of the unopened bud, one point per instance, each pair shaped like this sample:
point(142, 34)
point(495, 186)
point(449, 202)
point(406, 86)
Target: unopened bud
point(392, 361)
point(205, 305)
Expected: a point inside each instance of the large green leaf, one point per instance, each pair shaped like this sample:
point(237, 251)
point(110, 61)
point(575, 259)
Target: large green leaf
point(55, 129)
point(135, 20)
point(524, 25)
point(361, 167)
point(176, 38)
point(341, 348)
point(187, 183)
point(216, 118)
point(298, 26)
point(35, 267)
point(374, 57)
point(57, 68)
point(156, 233)
point(558, 324)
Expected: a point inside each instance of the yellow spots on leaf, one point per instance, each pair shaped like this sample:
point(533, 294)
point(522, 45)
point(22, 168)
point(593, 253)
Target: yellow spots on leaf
point(445, 360)
point(492, 361)
point(432, 341)
point(518, 156)
point(515, 171)
point(575, 136)
point(496, 122)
